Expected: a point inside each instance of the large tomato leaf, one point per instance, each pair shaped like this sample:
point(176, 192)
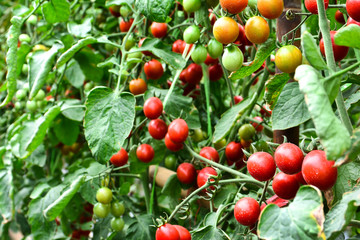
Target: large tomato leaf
point(88, 60)
point(155, 10)
point(273, 88)
point(209, 232)
point(302, 219)
point(141, 228)
point(353, 152)
point(56, 11)
point(311, 51)
point(348, 36)
point(332, 133)
point(72, 109)
point(348, 177)
point(290, 109)
point(82, 29)
point(108, 121)
point(338, 218)
point(6, 179)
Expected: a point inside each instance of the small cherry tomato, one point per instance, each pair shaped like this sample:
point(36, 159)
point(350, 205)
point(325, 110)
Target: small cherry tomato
point(120, 158)
point(225, 30)
point(158, 30)
point(104, 195)
point(193, 74)
point(183, 232)
point(339, 17)
point(209, 153)
point(145, 153)
point(247, 211)
point(257, 30)
point(215, 48)
point(178, 130)
point(215, 72)
point(191, 34)
point(210, 61)
point(115, 10)
point(137, 86)
point(170, 161)
point(117, 224)
point(238, 99)
point(153, 69)
point(234, 6)
point(186, 173)
point(289, 158)
point(174, 147)
point(199, 54)
point(203, 176)
point(288, 58)
point(191, 6)
point(258, 127)
point(232, 58)
point(246, 132)
point(125, 26)
point(261, 166)
point(285, 186)
point(117, 209)
point(340, 52)
point(178, 46)
point(270, 9)
point(157, 129)
point(234, 152)
point(101, 210)
point(167, 232)
point(311, 5)
point(153, 108)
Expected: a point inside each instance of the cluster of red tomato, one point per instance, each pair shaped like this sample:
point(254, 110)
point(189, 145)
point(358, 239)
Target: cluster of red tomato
point(172, 232)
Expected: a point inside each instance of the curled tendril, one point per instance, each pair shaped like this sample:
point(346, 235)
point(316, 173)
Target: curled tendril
point(184, 211)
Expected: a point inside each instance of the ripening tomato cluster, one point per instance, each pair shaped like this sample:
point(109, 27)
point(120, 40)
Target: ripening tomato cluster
point(172, 232)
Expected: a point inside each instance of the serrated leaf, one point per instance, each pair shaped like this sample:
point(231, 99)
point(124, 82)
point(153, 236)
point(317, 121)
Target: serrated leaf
point(302, 219)
point(262, 53)
point(290, 109)
point(348, 36)
point(141, 228)
point(108, 121)
point(155, 10)
point(56, 11)
point(66, 130)
point(82, 29)
point(311, 51)
point(332, 133)
point(273, 88)
point(74, 74)
point(348, 177)
point(353, 152)
point(209, 233)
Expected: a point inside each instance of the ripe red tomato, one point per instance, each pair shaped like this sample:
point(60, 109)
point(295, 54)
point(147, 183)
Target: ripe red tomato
point(288, 58)
point(242, 36)
point(147, 53)
point(339, 17)
point(353, 9)
point(186, 173)
point(193, 74)
point(247, 211)
point(153, 69)
point(153, 108)
point(167, 232)
point(258, 127)
point(210, 61)
point(340, 52)
point(178, 46)
point(115, 10)
point(157, 129)
point(261, 166)
point(285, 186)
point(174, 147)
point(238, 99)
point(120, 158)
point(215, 72)
point(318, 171)
point(158, 30)
point(125, 26)
point(183, 232)
point(288, 158)
point(234, 6)
point(311, 5)
point(234, 152)
point(300, 178)
point(225, 30)
point(145, 153)
point(178, 130)
point(275, 200)
point(352, 21)
point(137, 86)
point(209, 153)
point(270, 9)
point(257, 30)
point(203, 176)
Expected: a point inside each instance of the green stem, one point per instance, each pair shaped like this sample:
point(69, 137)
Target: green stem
point(337, 6)
point(126, 175)
point(207, 97)
point(144, 177)
point(228, 83)
point(179, 25)
point(355, 223)
point(295, 29)
point(262, 198)
point(153, 191)
point(341, 72)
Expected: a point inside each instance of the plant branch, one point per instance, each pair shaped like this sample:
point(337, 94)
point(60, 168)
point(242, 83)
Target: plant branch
point(228, 83)
point(207, 96)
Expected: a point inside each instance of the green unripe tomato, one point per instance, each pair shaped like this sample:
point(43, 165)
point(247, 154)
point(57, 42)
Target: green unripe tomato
point(24, 38)
point(199, 54)
point(134, 54)
point(101, 210)
point(117, 224)
point(31, 106)
point(26, 87)
point(232, 58)
point(104, 195)
point(197, 135)
point(191, 34)
point(117, 209)
point(246, 132)
point(125, 11)
point(215, 48)
point(129, 43)
point(191, 5)
point(25, 69)
point(220, 144)
point(32, 20)
point(18, 106)
point(110, 48)
point(20, 94)
point(170, 161)
point(40, 95)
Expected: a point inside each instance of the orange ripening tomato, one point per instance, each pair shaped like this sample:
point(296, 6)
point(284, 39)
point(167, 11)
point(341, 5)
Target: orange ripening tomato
point(226, 30)
point(137, 86)
point(270, 9)
point(234, 6)
point(257, 30)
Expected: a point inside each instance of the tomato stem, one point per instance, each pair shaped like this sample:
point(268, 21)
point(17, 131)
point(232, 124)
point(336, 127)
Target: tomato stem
point(144, 178)
point(228, 83)
point(207, 96)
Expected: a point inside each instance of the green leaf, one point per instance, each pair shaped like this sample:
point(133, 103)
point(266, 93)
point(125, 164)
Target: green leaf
point(338, 218)
point(229, 118)
point(348, 176)
point(55, 208)
point(140, 228)
point(22, 52)
point(39, 189)
point(66, 130)
point(262, 53)
point(172, 190)
point(74, 74)
point(21, 135)
point(72, 109)
point(109, 119)
point(80, 30)
point(332, 133)
point(155, 10)
point(348, 36)
point(209, 232)
point(118, 2)
point(6, 179)
point(38, 157)
point(56, 11)
point(11, 59)
point(302, 219)
point(311, 51)
point(159, 49)
point(88, 61)
point(353, 152)
point(273, 88)
point(290, 109)
point(40, 65)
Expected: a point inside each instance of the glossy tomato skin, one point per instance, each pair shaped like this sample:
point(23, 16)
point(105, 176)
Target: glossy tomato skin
point(209, 153)
point(261, 166)
point(299, 177)
point(157, 129)
point(210, 61)
point(145, 153)
point(352, 21)
point(178, 130)
point(247, 211)
point(203, 176)
point(238, 99)
point(339, 17)
point(125, 26)
point(215, 72)
point(191, 34)
point(137, 86)
point(318, 171)
point(257, 30)
point(288, 58)
point(258, 127)
point(191, 6)
point(340, 52)
point(174, 147)
point(183, 232)
point(158, 30)
point(234, 6)
point(285, 186)
point(234, 152)
point(289, 158)
point(353, 9)
point(153, 108)
point(311, 5)
point(199, 54)
point(167, 232)
point(215, 48)
point(120, 158)
point(232, 58)
point(178, 46)
point(246, 132)
point(225, 30)
point(104, 195)
point(153, 69)
point(193, 74)
point(186, 173)
point(270, 9)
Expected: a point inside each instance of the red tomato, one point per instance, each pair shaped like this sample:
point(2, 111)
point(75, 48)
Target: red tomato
point(353, 9)
point(242, 36)
point(186, 173)
point(174, 147)
point(115, 10)
point(234, 6)
point(193, 74)
point(261, 166)
point(288, 158)
point(120, 158)
point(300, 178)
point(183, 232)
point(125, 26)
point(247, 211)
point(157, 129)
point(158, 30)
point(265, 113)
point(147, 53)
point(178, 130)
point(167, 232)
point(311, 5)
point(258, 127)
point(318, 171)
point(153, 108)
point(245, 144)
point(340, 52)
point(285, 186)
point(275, 200)
point(210, 153)
point(339, 17)
point(137, 86)
point(234, 152)
point(145, 153)
point(352, 21)
point(270, 9)
point(215, 72)
point(238, 99)
point(178, 46)
point(257, 30)
point(153, 69)
point(203, 176)
point(210, 61)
